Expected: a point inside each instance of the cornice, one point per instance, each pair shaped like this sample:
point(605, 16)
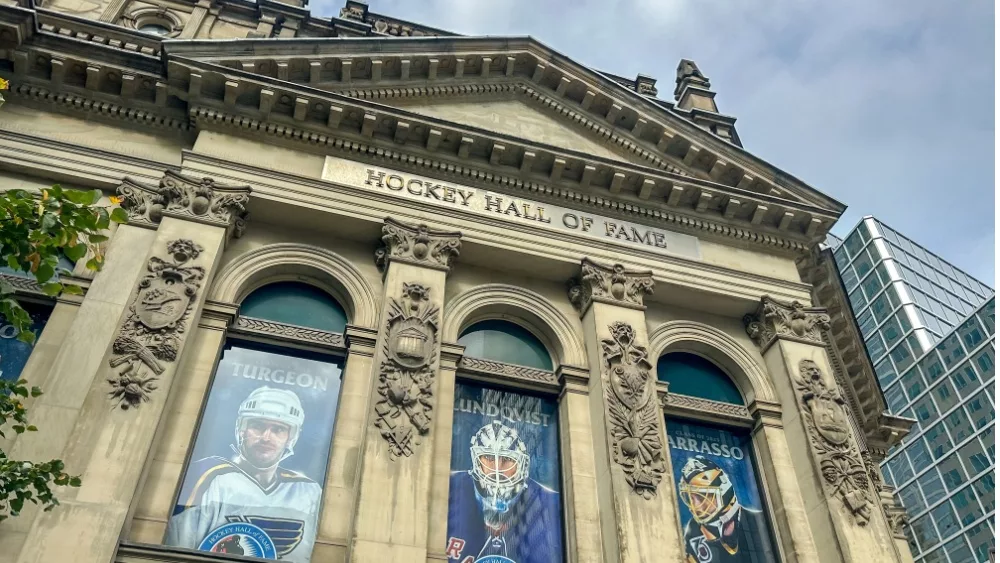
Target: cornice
point(79, 103)
point(204, 118)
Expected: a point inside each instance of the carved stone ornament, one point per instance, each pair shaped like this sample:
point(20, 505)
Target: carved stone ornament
point(633, 415)
point(156, 320)
point(825, 415)
point(775, 319)
point(417, 244)
point(406, 376)
point(612, 284)
point(194, 199)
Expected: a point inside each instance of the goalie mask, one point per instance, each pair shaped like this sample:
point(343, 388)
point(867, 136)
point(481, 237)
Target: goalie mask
point(499, 467)
point(278, 405)
point(708, 493)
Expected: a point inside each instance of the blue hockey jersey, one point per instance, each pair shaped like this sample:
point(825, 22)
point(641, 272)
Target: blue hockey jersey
point(534, 533)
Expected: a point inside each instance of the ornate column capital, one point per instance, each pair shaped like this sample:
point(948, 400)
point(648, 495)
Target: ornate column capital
point(417, 244)
point(609, 284)
point(791, 321)
point(185, 197)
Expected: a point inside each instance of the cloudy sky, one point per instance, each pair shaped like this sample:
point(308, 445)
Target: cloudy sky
point(886, 105)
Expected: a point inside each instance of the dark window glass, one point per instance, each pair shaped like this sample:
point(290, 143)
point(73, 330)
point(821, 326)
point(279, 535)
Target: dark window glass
point(504, 341)
point(866, 322)
point(958, 550)
point(924, 409)
point(911, 498)
point(932, 486)
point(966, 506)
point(863, 264)
point(901, 356)
point(980, 410)
point(931, 366)
point(974, 457)
point(872, 285)
point(988, 315)
point(854, 243)
point(891, 331)
point(989, 442)
point(849, 277)
point(900, 468)
point(840, 255)
point(923, 529)
point(938, 440)
point(944, 517)
point(690, 374)
point(952, 472)
point(880, 307)
point(945, 395)
point(984, 491)
point(885, 372)
point(986, 362)
point(981, 538)
point(875, 346)
point(971, 333)
point(895, 398)
point(965, 379)
point(295, 303)
point(958, 425)
point(14, 353)
point(857, 300)
point(913, 384)
point(951, 351)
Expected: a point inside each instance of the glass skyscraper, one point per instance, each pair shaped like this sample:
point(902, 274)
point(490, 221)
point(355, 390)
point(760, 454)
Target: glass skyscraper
point(929, 330)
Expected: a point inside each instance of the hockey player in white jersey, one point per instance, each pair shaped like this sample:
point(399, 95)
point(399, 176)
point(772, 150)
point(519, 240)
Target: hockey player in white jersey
point(248, 504)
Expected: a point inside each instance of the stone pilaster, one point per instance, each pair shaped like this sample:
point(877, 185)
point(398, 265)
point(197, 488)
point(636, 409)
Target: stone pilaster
point(397, 464)
point(840, 502)
point(636, 502)
point(437, 534)
point(127, 391)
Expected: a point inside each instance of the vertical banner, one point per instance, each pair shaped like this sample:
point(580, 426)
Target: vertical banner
point(13, 352)
point(504, 504)
point(721, 512)
point(254, 482)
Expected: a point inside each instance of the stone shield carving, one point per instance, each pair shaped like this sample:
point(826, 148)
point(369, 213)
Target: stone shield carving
point(406, 376)
point(632, 414)
point(157, 317)
point(830, 434)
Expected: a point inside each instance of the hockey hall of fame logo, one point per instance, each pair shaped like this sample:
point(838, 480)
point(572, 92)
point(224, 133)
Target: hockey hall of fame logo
point(239, 538)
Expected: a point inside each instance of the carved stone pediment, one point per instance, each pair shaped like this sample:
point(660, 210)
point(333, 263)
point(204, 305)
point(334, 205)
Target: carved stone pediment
point(793, 321)
point(194, 199)
point(609, 284)
point(417, 244)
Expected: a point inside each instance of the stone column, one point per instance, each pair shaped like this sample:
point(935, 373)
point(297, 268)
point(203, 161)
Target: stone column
point(583, 523)
point(893, 512)
point(637, 510)
point(397, 461)
point(840, 503)
point(127, 391)
point(778, 472)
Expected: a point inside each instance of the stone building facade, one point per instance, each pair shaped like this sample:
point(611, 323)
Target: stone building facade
point(391, 294)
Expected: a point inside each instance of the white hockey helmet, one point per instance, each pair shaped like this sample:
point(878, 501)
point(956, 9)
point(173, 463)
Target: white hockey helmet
point(280, 405)
point(500, 464)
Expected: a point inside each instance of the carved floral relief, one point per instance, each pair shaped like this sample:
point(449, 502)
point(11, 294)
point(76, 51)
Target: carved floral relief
point(198, 199)
point(830, 435)
point(775, 319)
point(417, 244)
point(406, 375)
point(157, 318)
point(632, 410)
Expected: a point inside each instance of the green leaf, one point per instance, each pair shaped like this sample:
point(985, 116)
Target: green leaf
point(44, 273)
point(119, 216)
point(52, 289)
point(75, 252)
point(49, 220)
point(26, 336)
point(95, 239)
point(70, 289)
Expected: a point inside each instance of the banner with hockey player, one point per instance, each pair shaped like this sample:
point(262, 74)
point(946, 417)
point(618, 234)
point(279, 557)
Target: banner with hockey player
point(254, 482)
point(504, 503)
point(720, 505)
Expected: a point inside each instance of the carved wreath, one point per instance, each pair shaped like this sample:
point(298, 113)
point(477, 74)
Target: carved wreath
point(830, 435)
point(406, 378)
point(157, 318)
point(634, 419)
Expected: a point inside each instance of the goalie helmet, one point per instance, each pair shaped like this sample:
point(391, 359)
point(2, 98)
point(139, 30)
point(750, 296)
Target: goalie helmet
point(499, 465)
point(707, 491)
point(280, 405)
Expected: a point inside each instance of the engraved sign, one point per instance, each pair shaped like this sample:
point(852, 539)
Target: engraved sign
point(508, 208)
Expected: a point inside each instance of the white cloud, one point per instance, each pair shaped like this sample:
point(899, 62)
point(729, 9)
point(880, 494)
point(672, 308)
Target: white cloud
point(886, 106)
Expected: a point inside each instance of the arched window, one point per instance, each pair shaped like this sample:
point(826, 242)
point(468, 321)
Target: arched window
point(505, 431)
point(692, 375)
point(267, 424)
point(711, 451)
point(295, 303)
point(504, 341)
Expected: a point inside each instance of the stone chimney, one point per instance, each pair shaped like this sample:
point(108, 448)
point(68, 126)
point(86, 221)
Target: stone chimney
point(694, 94)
